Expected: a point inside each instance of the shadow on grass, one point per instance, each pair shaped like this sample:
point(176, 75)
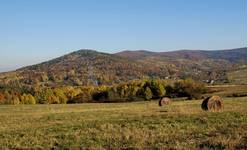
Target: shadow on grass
point(163, 111)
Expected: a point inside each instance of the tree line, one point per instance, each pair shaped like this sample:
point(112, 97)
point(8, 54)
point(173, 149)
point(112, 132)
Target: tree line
point(136, 90)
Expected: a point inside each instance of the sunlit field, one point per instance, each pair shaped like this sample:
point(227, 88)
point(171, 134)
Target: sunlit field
point(139, 125)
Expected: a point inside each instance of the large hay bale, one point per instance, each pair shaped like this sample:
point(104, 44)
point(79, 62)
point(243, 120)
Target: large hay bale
point(213, 103)
point(164, 101)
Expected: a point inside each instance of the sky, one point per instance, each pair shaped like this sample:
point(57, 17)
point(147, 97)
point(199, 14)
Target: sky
point(33, 31)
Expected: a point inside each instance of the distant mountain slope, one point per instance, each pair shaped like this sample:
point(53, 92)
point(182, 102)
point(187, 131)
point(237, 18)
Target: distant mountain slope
point(83, 67)
point(199, 64)
point(135, 54)
point(234, 55)
point(89, 67)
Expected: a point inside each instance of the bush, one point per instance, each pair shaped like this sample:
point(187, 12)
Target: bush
point(27, 99)
point(15, 100)
point(100, 96)
point(148, 94)
point(189, 88)
point(157, 89)
point(170, 91)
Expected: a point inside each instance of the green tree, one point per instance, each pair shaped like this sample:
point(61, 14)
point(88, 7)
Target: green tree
point(189, 88)
point(157, 89)
point(148, 94)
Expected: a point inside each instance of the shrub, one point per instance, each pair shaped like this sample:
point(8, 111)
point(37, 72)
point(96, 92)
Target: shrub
point(100, 96)
point(83, 97)
point(62, 98)
point(148, 94)
point(15, 100)
point(27, 99)
point(189, 88)
point(170, 91)
point(157, 89)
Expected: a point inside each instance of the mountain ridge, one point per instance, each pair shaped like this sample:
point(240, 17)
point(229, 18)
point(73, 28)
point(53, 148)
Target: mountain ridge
point(90, 67)
point(208, 53)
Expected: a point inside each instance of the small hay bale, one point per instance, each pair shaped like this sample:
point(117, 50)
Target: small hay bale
point(164, 101)
point(213, 103)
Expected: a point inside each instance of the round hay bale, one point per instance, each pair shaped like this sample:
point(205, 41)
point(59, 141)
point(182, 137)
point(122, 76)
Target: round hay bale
point(213, 103)
point(165, 101)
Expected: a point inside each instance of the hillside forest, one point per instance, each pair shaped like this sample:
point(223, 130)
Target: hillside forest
point(91, 76)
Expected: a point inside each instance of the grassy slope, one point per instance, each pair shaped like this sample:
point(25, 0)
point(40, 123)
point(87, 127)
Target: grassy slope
point(183, 125)
point(238, 77)
point(227, 90)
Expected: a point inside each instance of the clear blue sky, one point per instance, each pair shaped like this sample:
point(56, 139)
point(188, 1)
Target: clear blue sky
point(32, 31)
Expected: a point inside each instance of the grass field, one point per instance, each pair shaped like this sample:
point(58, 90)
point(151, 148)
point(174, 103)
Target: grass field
point(139, 125)
point(227, 90)
point(238, 77)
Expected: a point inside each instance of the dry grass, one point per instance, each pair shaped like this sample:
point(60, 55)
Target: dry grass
point(142, 125)
point(227, 90)
point(238, 77)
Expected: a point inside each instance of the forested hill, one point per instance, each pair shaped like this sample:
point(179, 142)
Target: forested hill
point(89, 67)
point(232, 55)
point(83, 67)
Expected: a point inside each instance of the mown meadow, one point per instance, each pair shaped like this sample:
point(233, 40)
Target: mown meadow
point(137, 125)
